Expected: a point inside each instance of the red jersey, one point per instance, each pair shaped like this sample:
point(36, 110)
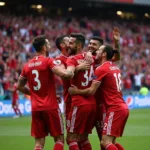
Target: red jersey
point(110, 77)
point(66, 83)
point(81, 80)
point(15, 96)
point(38, 72)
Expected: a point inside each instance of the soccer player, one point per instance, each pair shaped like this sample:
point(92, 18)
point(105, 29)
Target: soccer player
point(62, 44)
point(83, 107)
point(108, 77)
point(94, 44)
point(15, 98)
point(39, 73)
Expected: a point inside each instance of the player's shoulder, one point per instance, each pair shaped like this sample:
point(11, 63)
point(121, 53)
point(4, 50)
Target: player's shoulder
point(105, 65)
point(79, 56)
point(53, 61)
point(59, 56)
point(62, 57)
point(114, 67)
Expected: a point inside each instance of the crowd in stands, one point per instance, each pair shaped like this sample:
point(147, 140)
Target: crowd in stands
point(17, 33)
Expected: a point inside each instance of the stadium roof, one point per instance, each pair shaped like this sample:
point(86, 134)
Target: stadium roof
point(52, 2)
point(85, 7)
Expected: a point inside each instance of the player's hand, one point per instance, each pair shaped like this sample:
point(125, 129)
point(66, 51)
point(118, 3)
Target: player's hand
point(84, 66)
point(89, 58)
point(116, 34)
point(58, 98)
point(73, 90)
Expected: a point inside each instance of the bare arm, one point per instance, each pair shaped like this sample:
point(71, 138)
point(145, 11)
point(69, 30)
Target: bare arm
point(64, 73)
point(89, 91)
point(21, 86)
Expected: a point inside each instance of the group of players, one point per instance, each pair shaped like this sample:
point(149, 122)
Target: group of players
point(92, 92)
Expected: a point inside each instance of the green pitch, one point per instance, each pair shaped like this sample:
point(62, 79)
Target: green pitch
point(15, 133)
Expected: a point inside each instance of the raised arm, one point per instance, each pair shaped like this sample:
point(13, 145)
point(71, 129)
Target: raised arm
point(116, 38)
point(21, 85)
point(88, 91)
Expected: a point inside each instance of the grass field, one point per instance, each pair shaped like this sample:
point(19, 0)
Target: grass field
point(15, 133)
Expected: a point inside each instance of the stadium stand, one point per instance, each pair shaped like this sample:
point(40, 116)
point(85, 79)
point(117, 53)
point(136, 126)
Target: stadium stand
point(17, 32)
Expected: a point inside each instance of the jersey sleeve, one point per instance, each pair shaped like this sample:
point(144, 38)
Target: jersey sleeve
point(71, 62)
point(100, 73)
point(53, 63)
point(23, 73)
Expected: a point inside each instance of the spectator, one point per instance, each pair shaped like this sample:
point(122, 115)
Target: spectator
point(16, 34)
point(138, 80)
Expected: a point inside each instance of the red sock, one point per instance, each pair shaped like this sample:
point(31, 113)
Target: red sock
point(111, 147)
point(15, 110)
point(86, 145)
point(119, 146)
point(38, 148)
point(73, 145)
point(59, 145)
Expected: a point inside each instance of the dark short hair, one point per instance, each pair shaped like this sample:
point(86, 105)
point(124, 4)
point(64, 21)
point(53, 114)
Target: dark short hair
point(58, 41)
point(109, 50)
point(79, 38)
point(97, 39)
point(39, 42)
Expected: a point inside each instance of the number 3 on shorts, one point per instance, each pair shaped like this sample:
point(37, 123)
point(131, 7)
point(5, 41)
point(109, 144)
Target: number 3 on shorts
point(36, 79)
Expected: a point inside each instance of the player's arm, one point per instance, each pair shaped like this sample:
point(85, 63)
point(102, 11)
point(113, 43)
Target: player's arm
point(59, 69)
point(63, 73)
point(21, 85)
point(88, 91)
point(116, 38)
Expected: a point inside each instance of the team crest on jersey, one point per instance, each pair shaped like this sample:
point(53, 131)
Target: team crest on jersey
point(57, 62)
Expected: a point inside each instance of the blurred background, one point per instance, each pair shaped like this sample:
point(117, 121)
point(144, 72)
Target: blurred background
point(21, 21)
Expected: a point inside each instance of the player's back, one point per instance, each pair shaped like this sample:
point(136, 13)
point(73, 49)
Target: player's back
point(110, 88)
point(81, 80)
point(38, 72)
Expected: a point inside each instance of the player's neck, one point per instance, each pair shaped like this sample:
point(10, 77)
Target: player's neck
point(40, 53)
point(103, 61)
point(64, 52)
